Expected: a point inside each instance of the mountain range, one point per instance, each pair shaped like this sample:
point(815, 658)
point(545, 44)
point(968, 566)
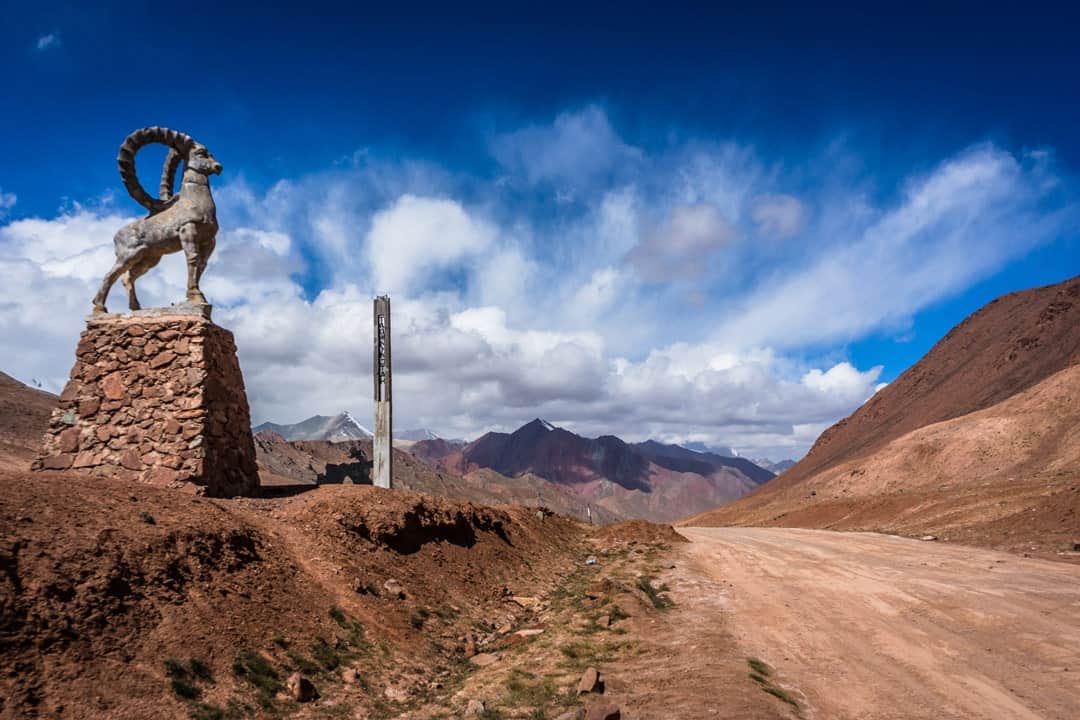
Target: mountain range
point(979, 441)
point(337, 428)
point(649, 479)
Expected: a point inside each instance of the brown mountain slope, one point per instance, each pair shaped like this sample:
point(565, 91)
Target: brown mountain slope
point(1005, 347)
point(24, 416)
point(978, 442)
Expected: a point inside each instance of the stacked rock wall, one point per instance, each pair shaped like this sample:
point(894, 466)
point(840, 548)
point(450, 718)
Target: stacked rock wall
point(157, 399)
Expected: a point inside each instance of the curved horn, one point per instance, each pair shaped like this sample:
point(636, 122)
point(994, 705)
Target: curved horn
point(168, 174)
point(179, 144)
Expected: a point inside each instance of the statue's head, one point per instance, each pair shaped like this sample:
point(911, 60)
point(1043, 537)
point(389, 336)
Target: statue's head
point(201, 161)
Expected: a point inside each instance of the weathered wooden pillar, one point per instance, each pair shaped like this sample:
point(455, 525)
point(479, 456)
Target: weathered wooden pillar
point(382, 470)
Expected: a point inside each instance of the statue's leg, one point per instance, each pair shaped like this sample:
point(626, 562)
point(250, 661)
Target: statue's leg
point(189, 242)
point(205, 251)
point(137, 270)
point(99, 300)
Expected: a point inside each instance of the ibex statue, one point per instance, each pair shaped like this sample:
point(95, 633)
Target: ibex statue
point(186, 221)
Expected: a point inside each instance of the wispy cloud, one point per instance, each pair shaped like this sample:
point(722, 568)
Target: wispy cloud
point(650, 305)
point(48, 41)
point(7, 201)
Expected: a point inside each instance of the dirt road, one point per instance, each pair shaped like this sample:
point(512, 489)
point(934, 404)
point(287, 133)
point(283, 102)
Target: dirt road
point(876, 627)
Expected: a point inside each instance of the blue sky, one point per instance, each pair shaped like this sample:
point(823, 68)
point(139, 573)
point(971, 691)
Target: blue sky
point(716, 225)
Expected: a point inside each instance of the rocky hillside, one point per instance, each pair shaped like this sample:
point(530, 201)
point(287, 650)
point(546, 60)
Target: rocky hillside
point(24, 417)
point(975, 442)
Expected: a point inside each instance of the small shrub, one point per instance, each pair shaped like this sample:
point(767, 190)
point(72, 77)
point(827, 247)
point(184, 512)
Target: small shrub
point(200, 669)
point(202, 711)
point(147, 518)
point(280, 641)
point(324, 654)
point(777, 692)
point(338, 616)
point(660, 602)
point(303, 664)
point(616, 613)
point(184, 689)
point(255, 669)
point(758, 678)
point(759, 667)
point(175, 669)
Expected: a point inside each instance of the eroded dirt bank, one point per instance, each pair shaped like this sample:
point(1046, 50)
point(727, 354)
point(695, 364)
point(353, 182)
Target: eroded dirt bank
point(877, 627)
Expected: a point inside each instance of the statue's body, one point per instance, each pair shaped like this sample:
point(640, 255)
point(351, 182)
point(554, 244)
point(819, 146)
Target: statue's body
point(185, 221)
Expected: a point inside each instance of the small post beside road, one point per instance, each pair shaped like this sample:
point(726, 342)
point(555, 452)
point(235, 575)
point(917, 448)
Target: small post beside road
point(382, 443)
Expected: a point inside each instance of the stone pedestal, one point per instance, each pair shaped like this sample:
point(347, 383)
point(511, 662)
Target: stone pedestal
point(156, 397)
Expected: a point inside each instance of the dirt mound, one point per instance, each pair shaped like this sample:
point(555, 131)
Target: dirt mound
point(127, 601)
point(1004, 474)
point(638, 531)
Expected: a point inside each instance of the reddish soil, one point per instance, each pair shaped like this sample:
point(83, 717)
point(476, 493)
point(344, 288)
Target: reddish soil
point(105, 581)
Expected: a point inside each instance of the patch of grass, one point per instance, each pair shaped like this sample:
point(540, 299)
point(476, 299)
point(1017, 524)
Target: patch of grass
point(324, 654)
point(256, 670)
point(759, 678)
point(616, 613)
point(338, 616)
point(777, 692)
point(759, 667)
point(280, 641)
point(147, 518)
point(526, 690)
point(582, 653)
point(303, 664)
point(660, 602)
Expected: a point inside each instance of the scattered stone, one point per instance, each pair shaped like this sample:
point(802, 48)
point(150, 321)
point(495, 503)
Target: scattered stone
point(394, 588)
point(300, 688)
point(484, 659)
point(530, 632)
point(604, 621)
point(526, 602)
point(574, 714)
point(505, 628)
point(475, 708)
point(602, 710)
point(928, 538)
point(591, 682)
point(396, 694)
point(348, 676)
point(591, 560)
